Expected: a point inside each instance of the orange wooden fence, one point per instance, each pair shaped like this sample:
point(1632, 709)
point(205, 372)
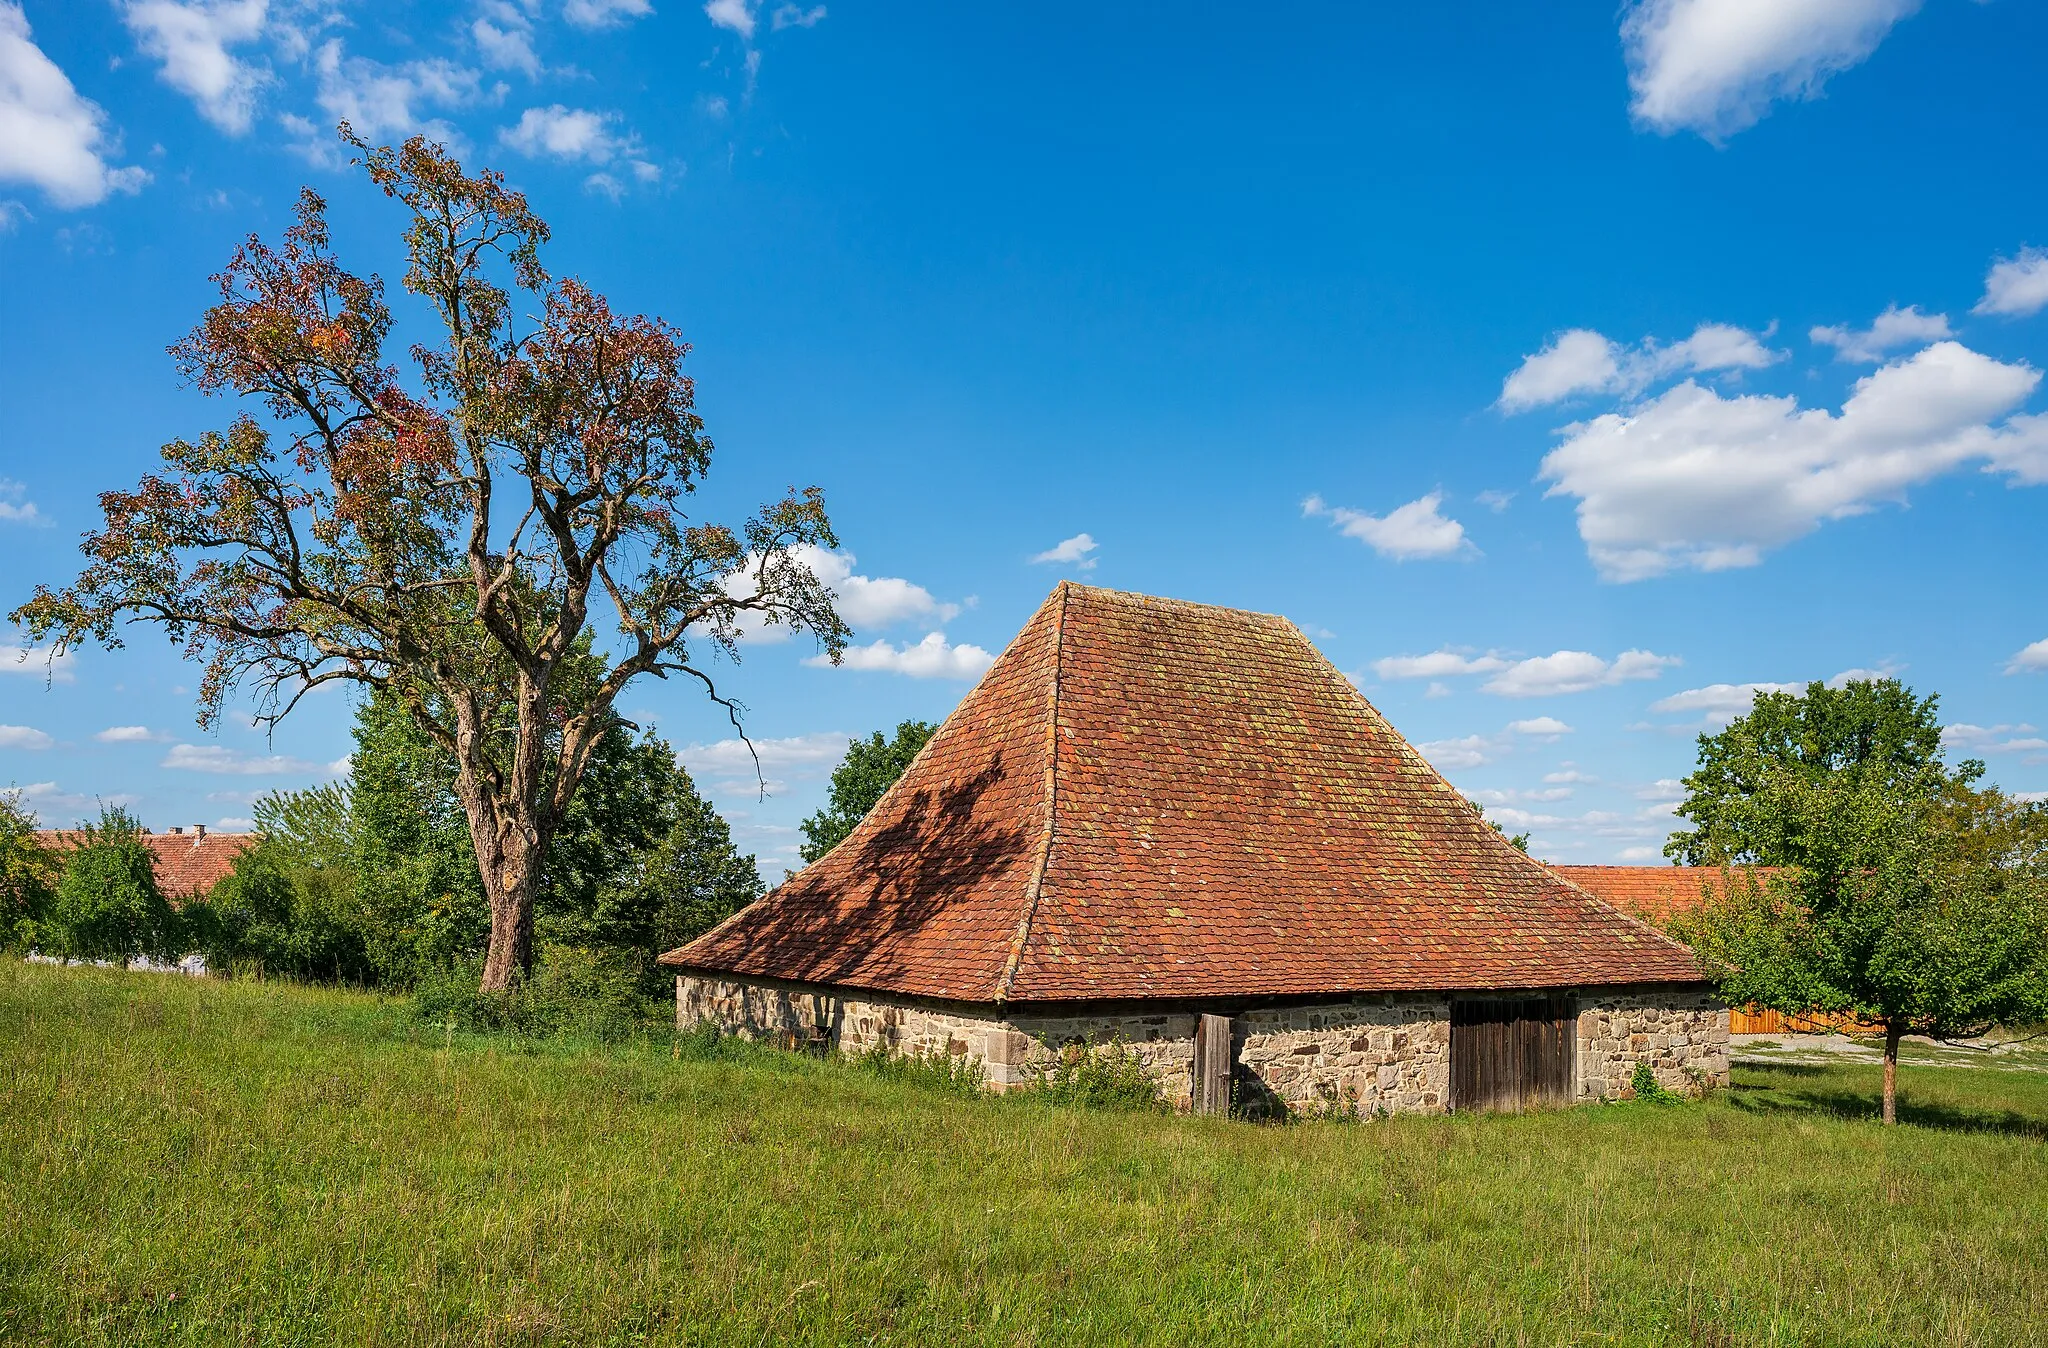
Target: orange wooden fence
point(1758, 1020)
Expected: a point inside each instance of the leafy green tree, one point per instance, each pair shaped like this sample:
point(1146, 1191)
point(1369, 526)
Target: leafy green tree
point(1888, 913)
point(28, 874)
point(290, 906)
point(107, 905)
point(871, 767)
point(450, 537)
point(1865, 730)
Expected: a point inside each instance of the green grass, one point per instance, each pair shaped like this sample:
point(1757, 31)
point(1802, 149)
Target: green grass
point(195, 1162)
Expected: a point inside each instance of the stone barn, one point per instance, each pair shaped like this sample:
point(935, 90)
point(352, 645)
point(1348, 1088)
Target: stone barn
point(1179, 825)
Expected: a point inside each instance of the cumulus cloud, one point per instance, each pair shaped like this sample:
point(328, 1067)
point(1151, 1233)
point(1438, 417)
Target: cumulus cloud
point(568, 133)
point(1719, 703)
point(1893, 328)
point(605, 13)
point(796, 16)
point(49, 135)
point(504, 38)
point(2019, 737)
point(1574, 672)
point(1469, 751)
point(190, 39)
point(1581, 361)
point(2016, 286)
point(1716, 66)
point(1072, 552)
point(795, 755)
point(1416, 530)
point(863, 601)
point(738, 15)
point(217, 758)
point(932, 658)
point(55, 807)
point(1543, 727)
point(1695, 479)
point(1437, 664)
point(2031, 659)
point(382, 101)
point(15, 507)
point(40, 661)
point(23, 737)
point(130, 734)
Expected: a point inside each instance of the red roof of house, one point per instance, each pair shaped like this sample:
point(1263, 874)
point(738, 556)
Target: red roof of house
point(1656, 894)
point(186, 863)
point(1147, 798)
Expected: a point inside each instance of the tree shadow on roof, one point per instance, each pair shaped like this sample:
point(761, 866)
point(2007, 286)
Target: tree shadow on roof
point(852, 916)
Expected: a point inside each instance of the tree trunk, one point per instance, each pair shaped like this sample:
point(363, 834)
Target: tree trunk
point(1892, 1033)
point(509, 886)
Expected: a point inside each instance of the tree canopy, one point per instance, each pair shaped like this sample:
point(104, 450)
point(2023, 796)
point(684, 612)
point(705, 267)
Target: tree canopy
point(451, 538)
point(1863, 730)
point(107, 905)
point(870, 767)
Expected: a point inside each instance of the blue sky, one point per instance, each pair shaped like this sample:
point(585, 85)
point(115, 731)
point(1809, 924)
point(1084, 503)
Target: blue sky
point(1562, 372)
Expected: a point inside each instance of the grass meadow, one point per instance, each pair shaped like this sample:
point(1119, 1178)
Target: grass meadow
point(196, 1162)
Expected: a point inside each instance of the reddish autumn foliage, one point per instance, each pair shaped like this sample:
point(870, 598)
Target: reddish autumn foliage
point(453, 536)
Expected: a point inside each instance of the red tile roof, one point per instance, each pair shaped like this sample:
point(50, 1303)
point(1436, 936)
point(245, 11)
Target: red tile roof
point(1147, 798)
point(186, 863)
point(1656, 894)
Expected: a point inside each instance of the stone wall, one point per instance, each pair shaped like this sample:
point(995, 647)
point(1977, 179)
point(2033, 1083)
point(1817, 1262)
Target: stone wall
point(1673, 1029)
point(1365, 1055)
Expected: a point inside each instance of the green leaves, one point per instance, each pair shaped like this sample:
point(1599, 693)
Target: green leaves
point(871, 767)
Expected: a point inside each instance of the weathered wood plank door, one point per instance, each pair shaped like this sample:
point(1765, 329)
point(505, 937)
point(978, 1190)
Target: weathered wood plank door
point(1213, 1055)
point(1512, 1053)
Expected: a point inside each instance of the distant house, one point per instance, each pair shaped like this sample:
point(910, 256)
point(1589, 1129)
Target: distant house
point(1181, 826)
point(186, 863)
point(1659, 894)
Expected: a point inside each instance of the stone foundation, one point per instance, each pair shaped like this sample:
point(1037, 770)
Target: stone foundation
point(1681, 1032)
point(1363, 1055)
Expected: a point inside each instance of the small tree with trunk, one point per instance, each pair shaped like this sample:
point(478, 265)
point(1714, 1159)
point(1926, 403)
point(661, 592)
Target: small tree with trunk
point(452, 537)
point(1890, 914)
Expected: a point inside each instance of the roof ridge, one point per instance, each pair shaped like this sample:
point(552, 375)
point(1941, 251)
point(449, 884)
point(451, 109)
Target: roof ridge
point(1036, 884)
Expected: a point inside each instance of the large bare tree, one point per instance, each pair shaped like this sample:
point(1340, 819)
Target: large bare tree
point(455, 537)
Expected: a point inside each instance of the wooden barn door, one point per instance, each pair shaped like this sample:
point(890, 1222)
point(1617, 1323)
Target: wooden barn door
point(1213, 1054)
point(1512, 1053)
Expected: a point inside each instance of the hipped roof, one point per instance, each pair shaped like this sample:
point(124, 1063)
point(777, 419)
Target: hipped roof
point(1147, 798)
point(1657, 894)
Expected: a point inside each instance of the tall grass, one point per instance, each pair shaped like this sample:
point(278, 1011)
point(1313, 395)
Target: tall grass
point(192, 1162)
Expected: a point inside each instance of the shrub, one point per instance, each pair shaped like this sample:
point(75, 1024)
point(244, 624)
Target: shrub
point(1644, 1083)
point(107, 905)
point(574, 990)
point(951, 1074)
point(1101, 1076)
point(28, 875)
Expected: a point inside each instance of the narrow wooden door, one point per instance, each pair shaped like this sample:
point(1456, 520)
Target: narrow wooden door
point(1512, 1053)
point(1213, 1056)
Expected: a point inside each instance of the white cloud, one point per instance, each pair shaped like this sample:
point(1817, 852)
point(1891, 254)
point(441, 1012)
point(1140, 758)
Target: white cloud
point(190, 38)
point(37, 661)
point(605, 13)
point(796, 16)
point(55, 808)
point(1070, 552)
point(381, 100)
point(23, 737)
point(1470, 751)
point(2016, 286)
point(1719, 703)
point(1545, 727)
point(1663, 791)
point(863, 601)
point(219, 759)
point(1694, 479)
point(2030, 797)
point(504, 38)
point(795, 755)
point(1415, 530)
point(233, 824)
point(1715, 66)
point(130, 734)
point(1496, 501)
point(1549, 795)
point(2027, 660)
point(568, 133)
point(1437, 664)
point(1893, 328)
point(1574, 672)
point(49, 135)
point(737, 15)
point(1569, 775)
point(15, 507)
point(1582, 361)
point(932, 658)
point(1992, 739)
